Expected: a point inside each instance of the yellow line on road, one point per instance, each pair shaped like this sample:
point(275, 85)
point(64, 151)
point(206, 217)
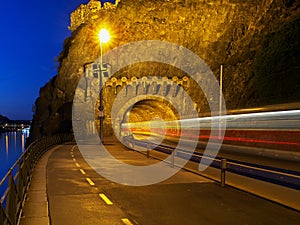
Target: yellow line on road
point(105, 199)
point(126, 221)
point(82, 171)
point(90, 182)
point(77, 164)
point(72, 149)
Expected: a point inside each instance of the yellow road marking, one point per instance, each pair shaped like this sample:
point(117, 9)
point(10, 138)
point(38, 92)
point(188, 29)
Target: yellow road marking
point(77, 164)
point(90, 182)
point(74, 159)
point(105, 199)
point(72, 149)
point(126, 221)
point(82, 171)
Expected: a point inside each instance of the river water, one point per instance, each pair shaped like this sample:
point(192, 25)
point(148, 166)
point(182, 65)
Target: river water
point(12, 144)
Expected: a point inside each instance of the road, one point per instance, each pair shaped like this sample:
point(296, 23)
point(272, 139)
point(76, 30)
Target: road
point(74, 189)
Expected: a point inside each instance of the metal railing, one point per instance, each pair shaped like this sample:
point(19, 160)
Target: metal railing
point(282, 177)
point(17, 180)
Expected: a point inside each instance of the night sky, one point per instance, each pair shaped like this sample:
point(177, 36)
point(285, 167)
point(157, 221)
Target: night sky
point(31, 37)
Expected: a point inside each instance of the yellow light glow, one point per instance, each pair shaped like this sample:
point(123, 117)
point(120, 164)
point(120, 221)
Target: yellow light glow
point(104, 36)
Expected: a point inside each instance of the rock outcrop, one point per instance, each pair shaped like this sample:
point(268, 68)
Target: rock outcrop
point(256, 41)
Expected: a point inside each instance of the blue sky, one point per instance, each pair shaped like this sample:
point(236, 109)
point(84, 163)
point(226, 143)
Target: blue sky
point(32, 35)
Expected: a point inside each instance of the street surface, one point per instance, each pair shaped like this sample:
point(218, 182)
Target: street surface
point(78, 195)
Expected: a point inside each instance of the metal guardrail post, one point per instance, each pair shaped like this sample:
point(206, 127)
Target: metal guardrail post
point(12, 200)
point(173, 158)
point(223, 166)
point(2, 215)
point(148, 149)
point(4, 219)
point(131, 144)
point(20, 181)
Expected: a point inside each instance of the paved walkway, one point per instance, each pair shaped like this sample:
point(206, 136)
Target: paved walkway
point(65, 190)
point(36, 206)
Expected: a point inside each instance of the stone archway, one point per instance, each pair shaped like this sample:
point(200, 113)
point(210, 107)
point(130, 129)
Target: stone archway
point(150, 97)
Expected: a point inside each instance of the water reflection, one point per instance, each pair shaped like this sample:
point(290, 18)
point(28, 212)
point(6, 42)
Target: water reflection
point(23, 142)
point(12, 145)
point(15, 139)
point(6, 144)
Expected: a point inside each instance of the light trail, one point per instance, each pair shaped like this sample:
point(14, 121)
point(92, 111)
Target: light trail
point(262, 129)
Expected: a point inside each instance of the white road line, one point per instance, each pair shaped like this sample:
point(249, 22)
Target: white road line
point(126, 221)
point(90, 182)
point(82, 171)
point(77, 164)
point(105, 199)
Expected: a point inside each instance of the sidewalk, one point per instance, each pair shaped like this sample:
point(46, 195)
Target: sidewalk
point(73, 193)
point(36, 206)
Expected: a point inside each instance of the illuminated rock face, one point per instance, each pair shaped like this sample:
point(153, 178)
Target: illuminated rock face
point(220, 32)
point(89, 12)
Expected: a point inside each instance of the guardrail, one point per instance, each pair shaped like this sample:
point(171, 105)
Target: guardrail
point(17, 179)
point(283, 177)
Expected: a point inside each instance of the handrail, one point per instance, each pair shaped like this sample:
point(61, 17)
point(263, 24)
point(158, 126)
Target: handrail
point(17, 184)
point(266, 170)
point(14, 165)
point(274, 175)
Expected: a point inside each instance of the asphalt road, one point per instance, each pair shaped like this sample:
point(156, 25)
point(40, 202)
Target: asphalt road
point(74, 189)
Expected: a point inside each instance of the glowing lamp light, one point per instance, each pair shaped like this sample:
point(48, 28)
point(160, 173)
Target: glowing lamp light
point(104, 36)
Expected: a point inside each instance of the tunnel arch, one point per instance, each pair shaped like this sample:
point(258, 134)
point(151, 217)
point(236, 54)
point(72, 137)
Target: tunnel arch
point(145, 95)
point(142, 105)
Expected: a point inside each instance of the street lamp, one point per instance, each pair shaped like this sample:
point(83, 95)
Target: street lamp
point(103, 38)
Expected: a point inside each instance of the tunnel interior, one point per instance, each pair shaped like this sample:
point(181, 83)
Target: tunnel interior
point(150, 109)
point(148, 119)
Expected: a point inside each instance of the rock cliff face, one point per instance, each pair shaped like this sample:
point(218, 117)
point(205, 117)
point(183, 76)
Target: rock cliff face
point(256, 41)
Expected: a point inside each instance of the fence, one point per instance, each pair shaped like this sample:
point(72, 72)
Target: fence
point(18, 178)
point(279, 176)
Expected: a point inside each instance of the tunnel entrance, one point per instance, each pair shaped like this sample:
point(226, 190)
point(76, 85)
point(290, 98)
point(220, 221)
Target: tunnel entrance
point(149, 120)
point(149, 114)
point(150, 109)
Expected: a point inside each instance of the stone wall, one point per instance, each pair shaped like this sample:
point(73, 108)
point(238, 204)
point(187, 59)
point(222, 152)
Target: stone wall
point(123, 93)
point(228, 32)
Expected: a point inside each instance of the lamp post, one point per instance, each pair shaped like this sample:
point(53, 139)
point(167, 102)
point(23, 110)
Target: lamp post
point(220, 99)
point(103, 38)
